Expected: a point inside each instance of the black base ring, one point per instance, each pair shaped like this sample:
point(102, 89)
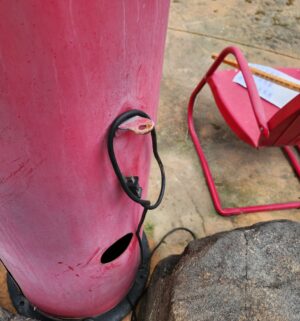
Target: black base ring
point(25, 308)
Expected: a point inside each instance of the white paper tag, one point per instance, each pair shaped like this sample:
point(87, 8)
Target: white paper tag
point(268, 90)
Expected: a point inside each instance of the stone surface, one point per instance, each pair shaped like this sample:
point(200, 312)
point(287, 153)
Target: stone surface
point(248, 274)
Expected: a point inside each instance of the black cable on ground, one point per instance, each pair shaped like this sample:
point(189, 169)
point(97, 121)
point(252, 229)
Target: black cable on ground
point(146, 204)
point(133, 315)
point(169, 233)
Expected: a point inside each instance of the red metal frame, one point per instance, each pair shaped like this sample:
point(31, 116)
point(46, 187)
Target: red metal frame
point(260, 118)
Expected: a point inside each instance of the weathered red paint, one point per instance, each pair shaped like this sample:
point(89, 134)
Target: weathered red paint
point(68, 68)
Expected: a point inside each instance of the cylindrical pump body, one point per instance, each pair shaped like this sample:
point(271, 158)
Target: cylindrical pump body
point(67, 69)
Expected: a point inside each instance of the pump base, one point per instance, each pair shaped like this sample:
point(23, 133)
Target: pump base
point(24, 307)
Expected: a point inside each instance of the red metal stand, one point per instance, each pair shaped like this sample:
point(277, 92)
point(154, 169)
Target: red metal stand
point(260, 118)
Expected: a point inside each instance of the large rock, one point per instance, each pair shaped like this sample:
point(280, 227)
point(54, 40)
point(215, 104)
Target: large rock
point(248, 274)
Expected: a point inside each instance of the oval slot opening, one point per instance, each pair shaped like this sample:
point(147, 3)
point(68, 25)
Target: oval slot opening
point(116, 249)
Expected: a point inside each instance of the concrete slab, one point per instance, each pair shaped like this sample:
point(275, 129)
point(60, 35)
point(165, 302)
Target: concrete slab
point(244, 175)
point(271, 25)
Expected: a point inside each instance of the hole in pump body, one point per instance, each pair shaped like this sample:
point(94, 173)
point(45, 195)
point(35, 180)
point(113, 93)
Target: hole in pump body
point(116, 249)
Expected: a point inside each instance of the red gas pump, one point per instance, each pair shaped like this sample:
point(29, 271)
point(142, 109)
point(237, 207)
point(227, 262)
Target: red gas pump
point(68, 232)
